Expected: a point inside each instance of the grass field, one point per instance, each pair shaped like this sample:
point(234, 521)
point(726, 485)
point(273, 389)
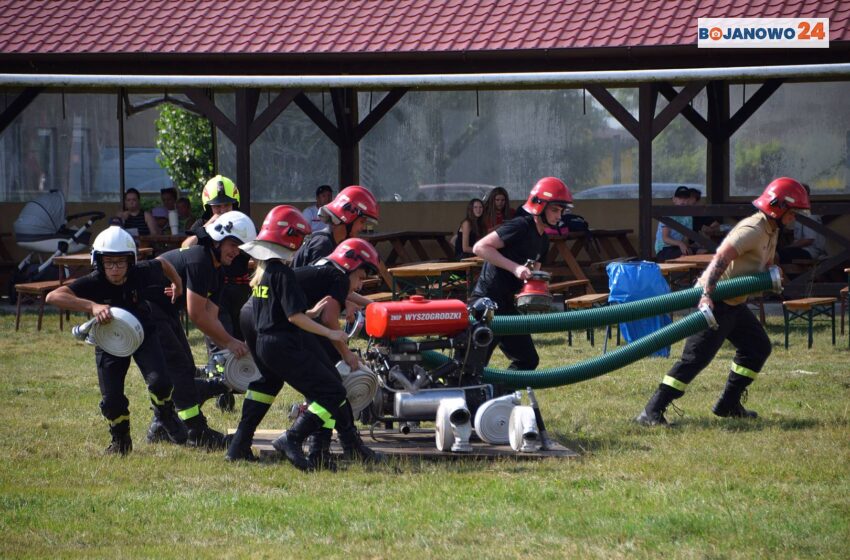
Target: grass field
point(777, 487)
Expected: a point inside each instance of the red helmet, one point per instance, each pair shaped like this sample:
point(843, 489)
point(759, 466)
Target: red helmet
point(286, 226)
point(548, 190)
point(782, 195)
point(351, 203)
point(353, 253)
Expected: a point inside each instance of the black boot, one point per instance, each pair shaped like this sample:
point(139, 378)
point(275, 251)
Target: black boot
point(201, 435)
point(209, 388)
point(121, 442)
point(729, 404)
point(253, 413)
point(166, 426)
point(653, 413)
point(354, 448)
point(319, 449)
point(292, 441)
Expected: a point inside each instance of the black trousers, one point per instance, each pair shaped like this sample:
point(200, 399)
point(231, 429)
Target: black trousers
point(738, 325)
point(297, 359)
point(112, 371)
point(518, 348)
point(178, 357)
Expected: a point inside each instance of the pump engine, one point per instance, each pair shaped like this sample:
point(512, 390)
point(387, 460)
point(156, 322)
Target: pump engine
point(409, 391)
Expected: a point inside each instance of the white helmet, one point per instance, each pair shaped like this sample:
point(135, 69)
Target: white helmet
point(233, 224)
point(112, 241)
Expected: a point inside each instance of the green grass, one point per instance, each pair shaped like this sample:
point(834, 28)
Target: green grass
point(707, 488)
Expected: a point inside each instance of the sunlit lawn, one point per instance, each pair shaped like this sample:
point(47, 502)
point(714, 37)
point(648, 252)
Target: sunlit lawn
point(707, 488)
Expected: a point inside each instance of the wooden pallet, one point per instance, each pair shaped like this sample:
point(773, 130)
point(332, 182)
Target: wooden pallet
point(419, 444)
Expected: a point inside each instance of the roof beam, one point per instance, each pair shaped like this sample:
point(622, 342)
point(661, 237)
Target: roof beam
point(17, 106)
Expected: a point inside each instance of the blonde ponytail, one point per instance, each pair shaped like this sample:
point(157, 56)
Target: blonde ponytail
point(257, 277)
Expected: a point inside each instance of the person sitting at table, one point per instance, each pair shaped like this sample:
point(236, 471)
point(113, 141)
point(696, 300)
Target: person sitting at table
point(324, 194)
point(184, 213)
point(497, 208)
point(807, 245)
point(706, 225)
point(669, 243)
point(471, 229)
point(160, 214)
point(137, 221)
point(506, 252)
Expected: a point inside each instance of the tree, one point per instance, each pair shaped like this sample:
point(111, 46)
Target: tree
point(185, 143)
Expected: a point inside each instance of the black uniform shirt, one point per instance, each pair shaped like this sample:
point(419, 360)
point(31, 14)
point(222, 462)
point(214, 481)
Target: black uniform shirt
point(196, 270)
point(276, 298)
point(522, 242)
point(131, 295)
point(320, 281)
point(320, 244)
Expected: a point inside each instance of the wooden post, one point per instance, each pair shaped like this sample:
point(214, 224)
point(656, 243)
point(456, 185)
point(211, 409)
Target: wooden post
point(648, 93)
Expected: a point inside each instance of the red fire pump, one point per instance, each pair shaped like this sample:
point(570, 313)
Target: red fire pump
point(409, 391)
point(416, 316)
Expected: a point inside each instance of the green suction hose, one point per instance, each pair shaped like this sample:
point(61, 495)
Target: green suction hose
point(625, 312)
point(594, 367)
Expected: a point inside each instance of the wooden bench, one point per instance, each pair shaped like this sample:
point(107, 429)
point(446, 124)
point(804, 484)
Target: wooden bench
point(39, 291)
point(566, 285)
point(380, 296)
point(808, 309)
point(586, 301)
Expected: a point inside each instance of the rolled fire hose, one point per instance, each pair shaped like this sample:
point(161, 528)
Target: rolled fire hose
point(523, 432)
point(120, 337)
point(492, 417)
point(239, 372)
point(361, 385)
point(625, 312)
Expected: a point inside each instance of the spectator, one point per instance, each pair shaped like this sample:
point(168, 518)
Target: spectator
point(497, 208)
point(168, 196)
point(160, 214)
point(184, 213)
point(706, 225)
point(669, 243)
point(807, 244)
point(137, 221)
point(471, 229)
point(324, 194)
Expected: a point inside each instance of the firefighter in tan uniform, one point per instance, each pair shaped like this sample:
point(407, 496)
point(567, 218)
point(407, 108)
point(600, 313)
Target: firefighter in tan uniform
point(749, 248)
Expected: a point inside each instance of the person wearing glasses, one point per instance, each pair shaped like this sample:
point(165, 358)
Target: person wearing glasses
point(118, 281)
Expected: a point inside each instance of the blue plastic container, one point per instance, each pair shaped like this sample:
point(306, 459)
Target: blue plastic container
point(632, 281)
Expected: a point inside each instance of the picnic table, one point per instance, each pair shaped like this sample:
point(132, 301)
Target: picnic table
point(399, 240)
point(435, 279)
point(567, 249)
point(702, 261)
point(161, 243)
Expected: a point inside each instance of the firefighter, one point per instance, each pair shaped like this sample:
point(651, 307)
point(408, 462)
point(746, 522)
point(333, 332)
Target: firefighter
point(200, 268)
point(119, 281)
point(347, 215)
point(506, 252)
point(749, 248)
point(278, 331)
point(220, 196)
point(338, 275)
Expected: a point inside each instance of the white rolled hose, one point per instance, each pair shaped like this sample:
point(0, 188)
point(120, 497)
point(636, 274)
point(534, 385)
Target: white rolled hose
point(522, 430)
point(361, 385)
point(239, 372)
point(452, 426)
point(120, 337)
point(492, 418)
